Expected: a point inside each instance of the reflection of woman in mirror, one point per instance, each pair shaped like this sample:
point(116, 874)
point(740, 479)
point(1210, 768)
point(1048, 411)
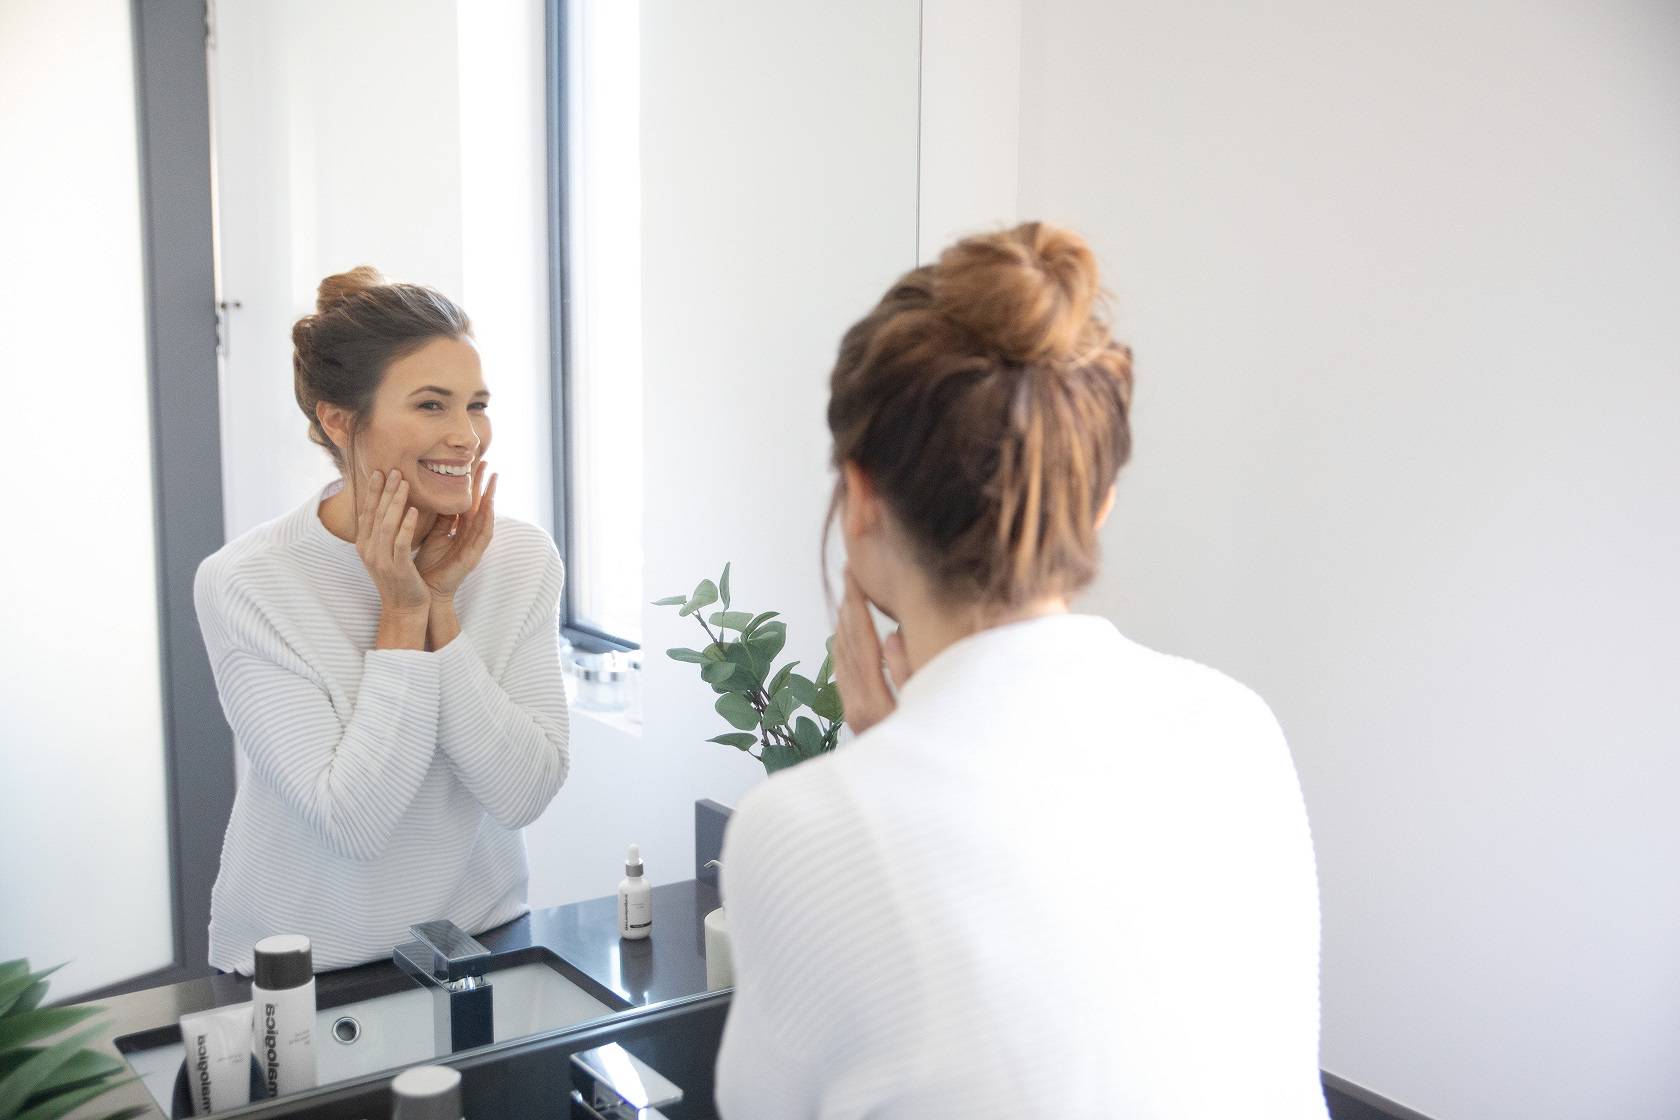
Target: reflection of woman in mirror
point(1056, 871)
point(387, 654)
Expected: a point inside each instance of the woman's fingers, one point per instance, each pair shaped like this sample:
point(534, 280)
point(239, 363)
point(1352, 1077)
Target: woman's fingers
point(477, 484)
point(898, 658)
point(403, 547)
point(370, 499)
point(391, 516)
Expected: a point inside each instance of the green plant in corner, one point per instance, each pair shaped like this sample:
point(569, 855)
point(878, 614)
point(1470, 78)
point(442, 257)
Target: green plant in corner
point(763, 704)
point(42, 1080)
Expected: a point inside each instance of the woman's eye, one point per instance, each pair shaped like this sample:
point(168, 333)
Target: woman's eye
point(481, 406)
point(435, 406)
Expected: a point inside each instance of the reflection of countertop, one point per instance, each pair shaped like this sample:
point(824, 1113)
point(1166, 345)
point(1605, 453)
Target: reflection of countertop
point(670, 963)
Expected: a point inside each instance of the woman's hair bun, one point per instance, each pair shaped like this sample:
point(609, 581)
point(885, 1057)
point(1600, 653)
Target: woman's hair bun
point(1027, 294)
point(340, 286)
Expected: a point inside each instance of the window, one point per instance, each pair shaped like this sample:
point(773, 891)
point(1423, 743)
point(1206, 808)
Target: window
point(595, 271)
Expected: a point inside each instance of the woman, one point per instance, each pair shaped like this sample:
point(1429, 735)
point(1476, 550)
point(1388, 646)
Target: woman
point(1058, 873)
point(387, 654)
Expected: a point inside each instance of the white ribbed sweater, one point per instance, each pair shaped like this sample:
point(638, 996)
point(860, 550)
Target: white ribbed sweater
point(386, 787)
point(1069, 876)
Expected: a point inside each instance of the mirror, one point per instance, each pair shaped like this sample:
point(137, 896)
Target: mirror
point(710, 157)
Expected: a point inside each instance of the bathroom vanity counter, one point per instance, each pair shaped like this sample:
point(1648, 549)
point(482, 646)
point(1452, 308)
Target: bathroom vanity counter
point(669, 963)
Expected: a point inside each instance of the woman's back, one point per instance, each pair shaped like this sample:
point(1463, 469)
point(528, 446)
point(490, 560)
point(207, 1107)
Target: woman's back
point(1067, 875)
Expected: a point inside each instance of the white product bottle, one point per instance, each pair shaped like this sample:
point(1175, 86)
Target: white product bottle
point(720, 967)
point(427, 1093)
point(283, 1013)
point(635, 899)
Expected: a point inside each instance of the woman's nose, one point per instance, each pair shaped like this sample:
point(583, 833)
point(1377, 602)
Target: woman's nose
point(463, 437)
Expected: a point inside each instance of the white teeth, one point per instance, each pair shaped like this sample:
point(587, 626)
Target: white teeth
point(452, 472)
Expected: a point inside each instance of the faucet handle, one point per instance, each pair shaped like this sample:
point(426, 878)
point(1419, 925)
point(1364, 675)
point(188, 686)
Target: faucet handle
point(455, 954)
point(622, 1086)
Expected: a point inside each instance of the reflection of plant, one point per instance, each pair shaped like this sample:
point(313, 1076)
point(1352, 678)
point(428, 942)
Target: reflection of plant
point(46, 1082)
point(761, 705)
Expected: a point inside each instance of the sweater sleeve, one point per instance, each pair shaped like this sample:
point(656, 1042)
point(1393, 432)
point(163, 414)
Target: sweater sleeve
point(507, 738)
point(786, 1038)
point(350, 777)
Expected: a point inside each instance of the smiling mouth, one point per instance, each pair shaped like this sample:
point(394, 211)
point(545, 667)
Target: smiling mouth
point(447, 470)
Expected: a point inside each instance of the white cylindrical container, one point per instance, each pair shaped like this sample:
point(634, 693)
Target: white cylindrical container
point(283, 1013)
point(635, 899)
point(218, 1045)
point(427, 1093)
point(720, 969)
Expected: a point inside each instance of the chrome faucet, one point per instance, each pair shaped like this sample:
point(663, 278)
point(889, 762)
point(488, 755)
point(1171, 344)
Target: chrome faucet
point(620, 1086)
point(445, 959)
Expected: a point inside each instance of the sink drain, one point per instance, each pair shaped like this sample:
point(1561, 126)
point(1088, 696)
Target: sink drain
point(346, 1030)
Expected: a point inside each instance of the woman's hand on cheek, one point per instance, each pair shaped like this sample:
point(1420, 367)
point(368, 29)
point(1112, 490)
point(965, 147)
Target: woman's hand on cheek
point(456, 544)
point(385, 542)
point(861, 664)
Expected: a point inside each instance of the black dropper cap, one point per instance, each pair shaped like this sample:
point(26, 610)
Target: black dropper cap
point(282, 961)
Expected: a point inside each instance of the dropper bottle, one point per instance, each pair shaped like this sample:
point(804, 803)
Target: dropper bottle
point(635, 899)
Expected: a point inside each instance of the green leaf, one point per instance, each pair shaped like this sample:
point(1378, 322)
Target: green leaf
point(758, 621)
point(27, 1078)
point(691, 656)
point(63, 1104)
point(716, 672)
point(804, 690)
point(751, 669)
point(15, 1030)
point(713, 652)
point(828, 703)
point(85, 1070)
point(734, 620)
point(12, 969)
point(740, 740)
point(825, 674)
point(671, 601)
point(779, 756)
point(780, 708)
point(704, 596)
point(777, 681)
point(767, 641)
point(741, 715)
point(723, 587)
point(810, 739)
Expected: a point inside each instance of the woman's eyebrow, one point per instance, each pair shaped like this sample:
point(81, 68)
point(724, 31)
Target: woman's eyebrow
point(442, 392)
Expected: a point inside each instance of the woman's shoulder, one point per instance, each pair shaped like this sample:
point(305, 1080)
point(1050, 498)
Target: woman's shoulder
point(259, 548)
point(518, 543)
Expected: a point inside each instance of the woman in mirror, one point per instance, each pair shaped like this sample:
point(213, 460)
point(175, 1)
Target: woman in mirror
point(387, 654)
point(1056, 871)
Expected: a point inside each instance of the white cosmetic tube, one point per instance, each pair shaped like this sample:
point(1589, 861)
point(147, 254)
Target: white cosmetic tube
point(218, 1044)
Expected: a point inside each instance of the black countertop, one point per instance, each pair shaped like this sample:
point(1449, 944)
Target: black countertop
point(669, 963)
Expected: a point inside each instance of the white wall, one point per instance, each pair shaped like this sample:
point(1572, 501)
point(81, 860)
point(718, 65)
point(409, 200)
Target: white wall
point(83, 832)
point(406, 134)
point(1402, 285)
point(970, 120)
point(779, 200)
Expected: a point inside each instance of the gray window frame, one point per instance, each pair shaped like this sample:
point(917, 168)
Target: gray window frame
point(579, 633)
point(177, 234)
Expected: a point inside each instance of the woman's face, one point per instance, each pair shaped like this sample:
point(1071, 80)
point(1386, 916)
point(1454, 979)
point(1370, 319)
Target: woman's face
point(430, 421)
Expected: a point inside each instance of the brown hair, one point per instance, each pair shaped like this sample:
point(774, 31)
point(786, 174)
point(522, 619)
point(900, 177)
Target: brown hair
point(362, 323)
point(987, 402)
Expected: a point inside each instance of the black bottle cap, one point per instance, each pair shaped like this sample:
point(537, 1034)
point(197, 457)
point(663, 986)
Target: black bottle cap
point(427, 1093)
point(282, 961)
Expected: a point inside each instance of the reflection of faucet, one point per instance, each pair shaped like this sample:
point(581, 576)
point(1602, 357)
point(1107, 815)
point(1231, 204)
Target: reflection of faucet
point(620, 1086)
point(443, 958)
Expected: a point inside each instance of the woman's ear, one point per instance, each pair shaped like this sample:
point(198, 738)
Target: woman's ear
point(335, 421)
point(860, 505)
point(1107, 507)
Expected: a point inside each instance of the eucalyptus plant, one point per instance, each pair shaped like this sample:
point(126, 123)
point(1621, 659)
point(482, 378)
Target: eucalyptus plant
point(46, 1080)
point(764, 705)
